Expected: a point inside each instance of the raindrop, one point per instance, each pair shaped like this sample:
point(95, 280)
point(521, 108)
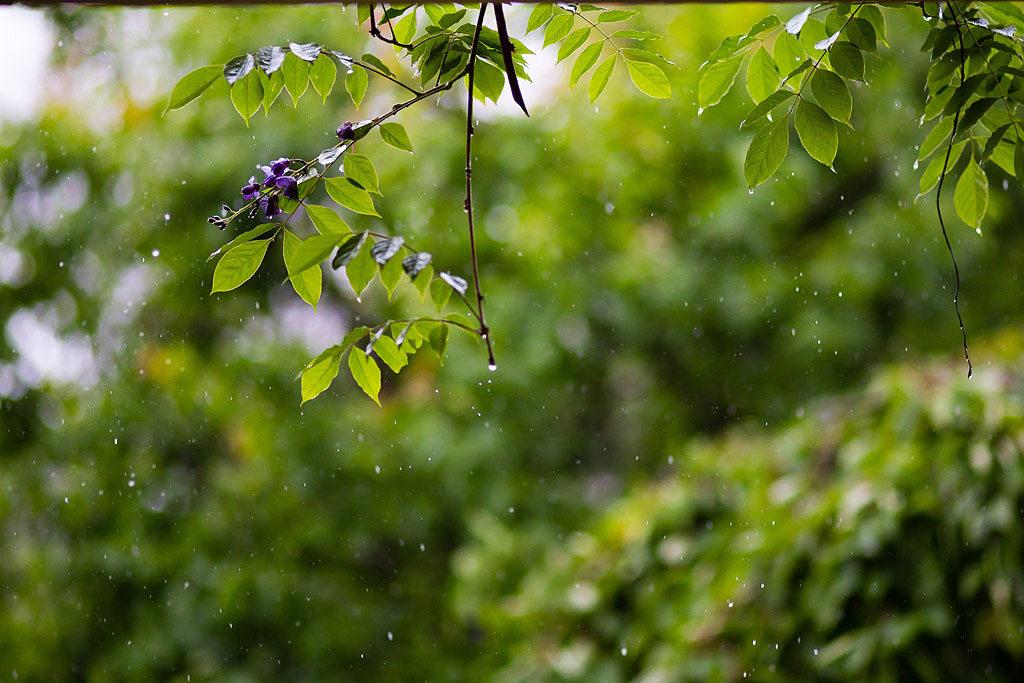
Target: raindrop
point(167, 216)
point(155, 252)
point(492, 367)
point(623, 651)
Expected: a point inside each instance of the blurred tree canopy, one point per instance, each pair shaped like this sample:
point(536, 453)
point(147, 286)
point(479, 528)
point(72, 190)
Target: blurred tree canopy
point(656, 446)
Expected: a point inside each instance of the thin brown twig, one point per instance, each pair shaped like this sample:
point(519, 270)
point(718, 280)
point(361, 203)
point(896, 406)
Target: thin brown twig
point(484, 330)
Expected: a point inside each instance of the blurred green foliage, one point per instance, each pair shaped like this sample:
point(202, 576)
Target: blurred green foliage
point(168, 510)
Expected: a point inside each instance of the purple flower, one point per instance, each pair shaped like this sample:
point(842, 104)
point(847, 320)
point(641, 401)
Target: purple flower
point(288, 185)
point(269, 206)
point(279, 166)
point(345, 131)
point(252, 189)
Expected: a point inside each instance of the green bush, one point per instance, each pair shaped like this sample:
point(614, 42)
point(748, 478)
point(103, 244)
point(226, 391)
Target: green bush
point(876, 538)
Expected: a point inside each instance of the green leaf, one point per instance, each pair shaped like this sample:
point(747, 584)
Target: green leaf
point(584, 62)
point(762, 75)
point(440, 293)
point(308, 284)
point(558, 28)
point(767, 151)
point(258, 231)
point(832, 94)
point(438, 339)
point(326, 220)
point(247, 95)
point(192, 85)
point(350, 196)
point(861, 33)
point(296, 76)
point(387, 350)
point(539, 16)
point(405, 30)
point(391, 274)
point(788, 52)
point(572, 43)
point(599, 81)
point(649, 79)
point(488, 81)
point(766, 106)
point(939, 133)
point(930, 177)
point(359, 169)
point(365, 372)
point(394, 134)
point(971, 195)
point(716, 80)
point(322, 75)
point(272, 87)
point(847, 60)
point(974, 112)
point(361, 269)
point(817, 132)
point(615, 15)
point(356, 83)
point(320, 372)
point(238, 264)
point(312, 251)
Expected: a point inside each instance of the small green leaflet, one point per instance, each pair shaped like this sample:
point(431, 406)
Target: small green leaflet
point(356, 83)
point(936, 136)
point(272, 87)
point(258, 231)
point(762, 75)
point(488, 81)
point(359, 169)
point(247, 95)
point(584, 62)
point(388, 351)
point(308, 283)
point(361, 269)
point(365, 372)
point(192, 85)
point(599, 81)
point(309, 253)
point(766, 106)
point(320, 372)
point(572, 43)
point(971, 195)
point(716, 80)
point(649, 79)
point(322, 75)
point(326, 220)
point(539, 16)
point(832, 94)
point(558, 28)
point(847, 60)
point(238, 265)
point(405, 30)
point(394, 134)
point(767, 151)
point(930, 177)
point(296, 76)
point(817, 132)
point(351, 197)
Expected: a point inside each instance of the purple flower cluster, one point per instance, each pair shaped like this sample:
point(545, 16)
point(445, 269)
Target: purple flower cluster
point(276, 178)
point(346, 132)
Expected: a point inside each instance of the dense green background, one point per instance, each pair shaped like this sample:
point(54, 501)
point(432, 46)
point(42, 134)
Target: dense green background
point(656, 483)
